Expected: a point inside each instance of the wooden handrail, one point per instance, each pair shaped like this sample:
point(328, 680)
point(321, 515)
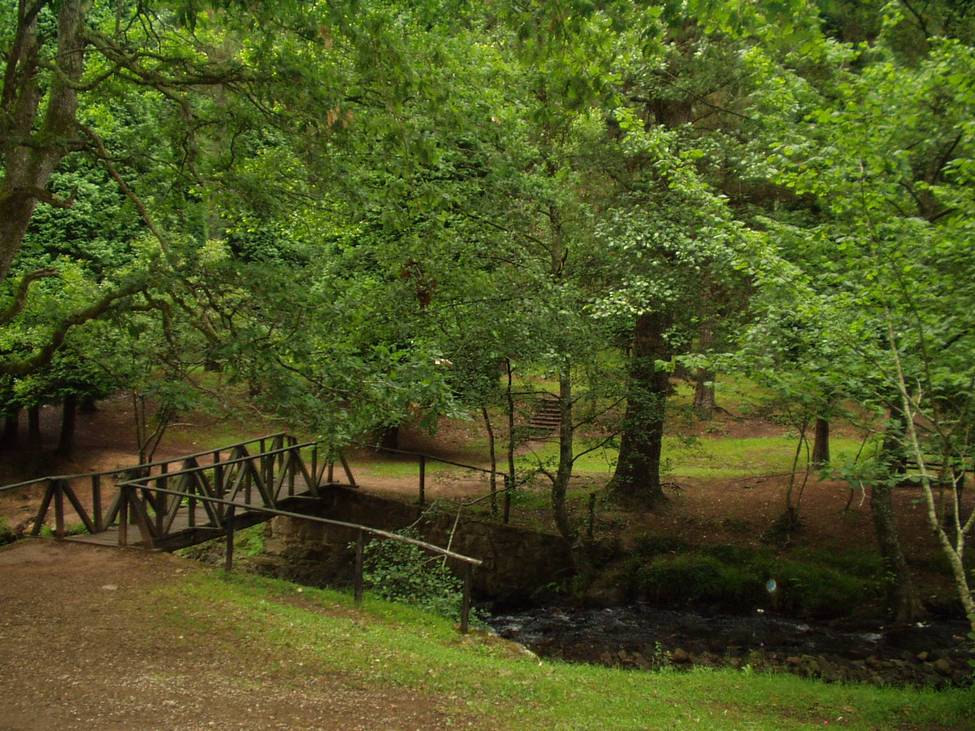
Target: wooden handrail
point(150, 465)
point(428, 456)
point(136, 484)
point(221, 463)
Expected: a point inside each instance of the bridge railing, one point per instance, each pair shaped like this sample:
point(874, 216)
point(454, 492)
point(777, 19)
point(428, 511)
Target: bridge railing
point(134, 490)
point(505, 491)
point(248, 467)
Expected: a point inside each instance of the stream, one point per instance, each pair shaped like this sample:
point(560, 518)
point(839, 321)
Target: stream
point(640, 636)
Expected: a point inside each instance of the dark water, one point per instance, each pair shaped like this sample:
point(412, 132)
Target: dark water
point(639, 635)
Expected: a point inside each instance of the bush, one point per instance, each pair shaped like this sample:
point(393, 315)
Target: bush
point(403, 572)
point(734, 578)
point(698, 578)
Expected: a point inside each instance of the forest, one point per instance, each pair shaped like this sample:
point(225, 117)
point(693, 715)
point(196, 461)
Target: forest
point(574, 230)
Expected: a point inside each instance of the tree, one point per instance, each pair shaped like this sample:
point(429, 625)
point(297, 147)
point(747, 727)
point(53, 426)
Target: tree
point(887, 155)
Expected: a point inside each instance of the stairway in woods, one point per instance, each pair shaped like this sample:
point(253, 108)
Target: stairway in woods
point(545, 418)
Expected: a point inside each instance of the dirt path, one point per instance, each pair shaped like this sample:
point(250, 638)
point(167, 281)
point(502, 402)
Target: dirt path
point(81, 645)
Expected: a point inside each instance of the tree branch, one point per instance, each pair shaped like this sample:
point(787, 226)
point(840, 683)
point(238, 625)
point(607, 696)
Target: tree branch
point(19, 301)
point(95, 310)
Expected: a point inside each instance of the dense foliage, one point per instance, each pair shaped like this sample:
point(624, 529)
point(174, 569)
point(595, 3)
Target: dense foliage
point(363, 210)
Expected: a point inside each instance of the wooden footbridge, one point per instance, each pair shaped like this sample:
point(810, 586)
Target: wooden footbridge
point(180, 502)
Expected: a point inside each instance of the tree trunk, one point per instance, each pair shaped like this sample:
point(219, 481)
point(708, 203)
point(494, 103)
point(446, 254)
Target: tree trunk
point(28, 167)
point(560, 484)
point(494, 459)
point(34, 439)
point(69, 409)
point(820, 453)
point(512, 440)
point(704, 377)
point(389, 439)
point(11, 427)
point(638, 469)
point(704, 403)
point(903, 598)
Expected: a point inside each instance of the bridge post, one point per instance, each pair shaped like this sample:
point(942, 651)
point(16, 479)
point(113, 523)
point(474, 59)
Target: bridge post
point(293, 456)
point(96, 502)
point(360, 545)
point(161, 498)
point(123, 515)
point(59, 508)
point(228, 562)
point(218, 475)
point(423, 480)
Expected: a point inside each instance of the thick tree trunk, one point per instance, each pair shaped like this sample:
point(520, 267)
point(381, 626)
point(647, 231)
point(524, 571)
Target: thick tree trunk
point(11, 428)
point(34, 439)
point(638, 469)
point(903, 598)
point(560, 484)
point(820, 452)
point(28, 167)
point(69, 410)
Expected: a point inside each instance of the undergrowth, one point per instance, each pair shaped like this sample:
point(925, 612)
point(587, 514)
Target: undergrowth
point(404, 572)
point(734, 578)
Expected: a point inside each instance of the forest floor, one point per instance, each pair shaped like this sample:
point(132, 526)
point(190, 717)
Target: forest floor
point(96, 637)
point(728, 478)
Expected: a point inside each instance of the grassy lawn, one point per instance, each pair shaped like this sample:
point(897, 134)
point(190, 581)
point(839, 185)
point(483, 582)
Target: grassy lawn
point(387, 645)
point(705, 457)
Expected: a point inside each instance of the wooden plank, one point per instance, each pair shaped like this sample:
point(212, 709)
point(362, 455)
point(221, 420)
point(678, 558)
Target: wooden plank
point(142, 521)
point(162, 507)
point(42, 510)
point(123, 516)
point(348, 471)
point(423, 480)
point(78, 507)
point(228, 562)
point(260, 485)
point(96, 503)
point(59, 508)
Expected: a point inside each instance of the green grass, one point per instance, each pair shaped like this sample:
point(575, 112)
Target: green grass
point(705, 456)
point(388, 645)
point(404, 468)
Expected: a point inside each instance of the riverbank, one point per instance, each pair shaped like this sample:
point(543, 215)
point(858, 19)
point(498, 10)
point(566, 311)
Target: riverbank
point(280, 655)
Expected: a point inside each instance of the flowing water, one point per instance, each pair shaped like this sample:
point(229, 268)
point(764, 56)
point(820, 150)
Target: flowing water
point(639, 635)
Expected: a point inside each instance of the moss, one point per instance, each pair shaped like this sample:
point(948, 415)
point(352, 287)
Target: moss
point(734, 578)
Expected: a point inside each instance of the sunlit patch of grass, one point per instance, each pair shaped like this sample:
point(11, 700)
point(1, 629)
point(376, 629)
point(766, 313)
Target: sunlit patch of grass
point(703, 457)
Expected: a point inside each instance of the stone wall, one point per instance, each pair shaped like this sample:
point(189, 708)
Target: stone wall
point(518, 563)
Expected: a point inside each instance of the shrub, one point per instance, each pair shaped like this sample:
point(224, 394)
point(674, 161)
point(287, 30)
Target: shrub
point(698, 578)
point(403, 572)
point(734, 578)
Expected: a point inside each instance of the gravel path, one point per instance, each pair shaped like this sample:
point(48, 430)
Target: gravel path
point(81, 646)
